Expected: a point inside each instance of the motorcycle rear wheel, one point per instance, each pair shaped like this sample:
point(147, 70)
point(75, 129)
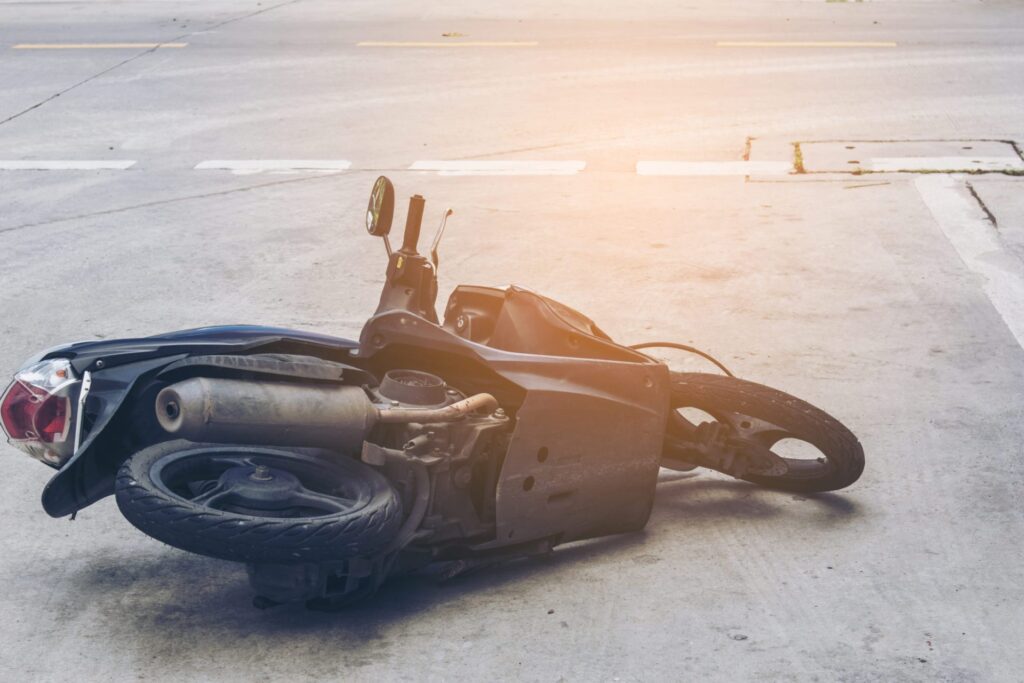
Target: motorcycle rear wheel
point(258, 504)
point(762, 417)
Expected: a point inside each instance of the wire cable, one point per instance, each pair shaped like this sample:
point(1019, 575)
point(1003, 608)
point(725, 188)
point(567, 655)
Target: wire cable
point(682, 347)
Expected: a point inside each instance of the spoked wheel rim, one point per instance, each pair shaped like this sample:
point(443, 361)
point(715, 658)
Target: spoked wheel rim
point(269, 485)
point(742, 430)
point(757, 438)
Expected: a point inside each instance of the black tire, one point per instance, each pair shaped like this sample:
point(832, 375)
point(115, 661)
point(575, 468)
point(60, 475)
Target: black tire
point(725, 397)
point(153, 493)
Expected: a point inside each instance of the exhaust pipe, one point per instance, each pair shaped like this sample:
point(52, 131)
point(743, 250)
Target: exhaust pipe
point(274, 414)
point(238, 411)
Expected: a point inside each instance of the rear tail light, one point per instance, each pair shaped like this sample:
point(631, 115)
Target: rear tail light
point(36, 410)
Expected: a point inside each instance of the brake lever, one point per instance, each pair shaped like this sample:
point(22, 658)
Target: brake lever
point(437, 238)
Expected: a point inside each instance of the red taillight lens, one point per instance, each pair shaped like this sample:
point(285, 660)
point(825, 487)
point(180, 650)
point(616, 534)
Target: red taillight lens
point(17, 409)
point(36, 410)
point(51, 420)
point(31, 413)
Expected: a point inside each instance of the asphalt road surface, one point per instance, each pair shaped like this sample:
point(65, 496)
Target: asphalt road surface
point(826, 195)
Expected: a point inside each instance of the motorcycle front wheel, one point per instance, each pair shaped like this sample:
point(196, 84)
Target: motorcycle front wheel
point(760, 434)
point(258, 504)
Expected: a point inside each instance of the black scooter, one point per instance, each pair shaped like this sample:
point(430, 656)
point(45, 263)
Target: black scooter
point(328, 465)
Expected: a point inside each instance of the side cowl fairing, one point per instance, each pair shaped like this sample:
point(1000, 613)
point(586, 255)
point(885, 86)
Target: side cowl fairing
point(118, 366)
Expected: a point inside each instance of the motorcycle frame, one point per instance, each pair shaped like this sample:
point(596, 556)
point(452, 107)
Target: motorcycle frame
point(583, 456)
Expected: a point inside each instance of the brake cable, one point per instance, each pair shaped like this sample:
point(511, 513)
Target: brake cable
point(682, 347)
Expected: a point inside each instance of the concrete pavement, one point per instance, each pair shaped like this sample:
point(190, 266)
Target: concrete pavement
point(886, 298)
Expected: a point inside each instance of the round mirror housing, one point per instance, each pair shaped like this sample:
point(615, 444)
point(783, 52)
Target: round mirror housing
point(381, 209)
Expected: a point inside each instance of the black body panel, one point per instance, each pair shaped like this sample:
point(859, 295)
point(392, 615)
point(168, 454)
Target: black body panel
point(210, 340)
point(590, 414)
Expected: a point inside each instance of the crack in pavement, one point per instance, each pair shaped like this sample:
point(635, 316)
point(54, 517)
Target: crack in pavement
point(145, 52)
point(77, 85)
point(171, 200)
point(984, 207)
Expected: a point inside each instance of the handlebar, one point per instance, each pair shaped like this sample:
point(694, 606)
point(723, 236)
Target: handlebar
point(413, 222)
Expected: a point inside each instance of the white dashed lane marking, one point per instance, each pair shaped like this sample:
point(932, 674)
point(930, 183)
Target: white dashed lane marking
point(247, 166)
point(509, 167)
point(525, 167)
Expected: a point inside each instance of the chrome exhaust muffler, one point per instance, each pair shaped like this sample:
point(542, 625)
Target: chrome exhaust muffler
point(269, 413)
point(205, 409)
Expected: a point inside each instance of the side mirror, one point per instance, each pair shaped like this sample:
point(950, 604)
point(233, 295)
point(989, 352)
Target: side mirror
point(381, 209)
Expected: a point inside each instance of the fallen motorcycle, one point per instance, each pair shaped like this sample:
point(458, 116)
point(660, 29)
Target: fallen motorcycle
point(328, 465)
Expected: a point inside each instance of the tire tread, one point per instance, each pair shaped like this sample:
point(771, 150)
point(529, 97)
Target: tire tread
point(831, 437)
point(201, 530)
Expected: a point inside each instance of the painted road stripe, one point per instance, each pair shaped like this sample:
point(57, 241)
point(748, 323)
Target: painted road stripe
point(92, 46)
point(464, 43)
point(508, 167)
point(65, 165)
point(247, 166)
point(713, 168)
point(803, 43)
point(892, 164)
point(978, 244)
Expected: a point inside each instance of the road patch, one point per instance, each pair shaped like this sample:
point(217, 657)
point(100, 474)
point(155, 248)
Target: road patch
point(910, 156)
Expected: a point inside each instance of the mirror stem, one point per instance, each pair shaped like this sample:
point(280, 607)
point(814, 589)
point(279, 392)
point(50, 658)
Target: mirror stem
point(437, 238)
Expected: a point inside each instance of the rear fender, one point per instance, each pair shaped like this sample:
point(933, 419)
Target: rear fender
point(89, 474)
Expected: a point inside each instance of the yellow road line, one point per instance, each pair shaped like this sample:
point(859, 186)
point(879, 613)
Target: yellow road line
point(807, 43)
point(92, 46)
point(463, 43)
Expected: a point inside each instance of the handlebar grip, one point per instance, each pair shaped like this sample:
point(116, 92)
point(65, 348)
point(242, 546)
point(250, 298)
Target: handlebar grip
point(413, 221)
